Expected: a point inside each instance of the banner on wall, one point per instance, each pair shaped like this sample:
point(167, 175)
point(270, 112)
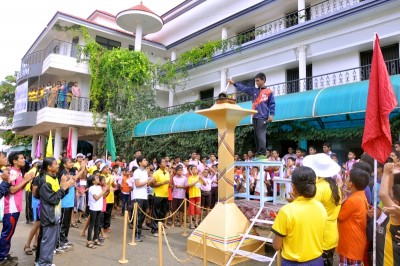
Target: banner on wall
point(21, 98)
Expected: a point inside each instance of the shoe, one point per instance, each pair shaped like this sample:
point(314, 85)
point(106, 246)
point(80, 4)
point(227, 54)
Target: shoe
point(6, 262)
point(66, 248)
point(59, 250)
point(101, 239)
point(69, 244)
point(138, 239)
point(11, 258)
point(146, 227)
point(155, 234)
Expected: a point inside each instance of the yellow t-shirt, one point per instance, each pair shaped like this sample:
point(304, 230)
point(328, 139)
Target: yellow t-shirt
point(302, 233)
point(77, 165)
point(160, 176)
point(324, 195)
point(28, 186)
point(194, 191)
point(92, 169)
point(109, 181)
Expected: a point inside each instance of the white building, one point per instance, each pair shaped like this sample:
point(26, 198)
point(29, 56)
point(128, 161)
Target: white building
point(300, 45)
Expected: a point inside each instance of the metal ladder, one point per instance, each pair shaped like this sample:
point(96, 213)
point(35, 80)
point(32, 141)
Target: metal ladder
point(247, 235)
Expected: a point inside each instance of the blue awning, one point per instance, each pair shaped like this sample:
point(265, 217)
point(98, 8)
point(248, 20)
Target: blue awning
point(337, 107)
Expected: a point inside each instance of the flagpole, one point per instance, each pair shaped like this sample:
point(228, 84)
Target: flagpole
point(375, 206)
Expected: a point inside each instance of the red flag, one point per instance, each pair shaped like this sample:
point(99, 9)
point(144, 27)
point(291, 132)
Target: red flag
point(377, 140)
point(69, 144)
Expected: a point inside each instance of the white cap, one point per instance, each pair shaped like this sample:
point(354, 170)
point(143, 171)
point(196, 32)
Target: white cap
point(98, 160)
point(80, 155)
point(36, 161)
point(102, 166)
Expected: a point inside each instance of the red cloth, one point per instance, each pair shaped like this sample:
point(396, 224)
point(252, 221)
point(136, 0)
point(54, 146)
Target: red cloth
point(69, 144)
point(377, 140)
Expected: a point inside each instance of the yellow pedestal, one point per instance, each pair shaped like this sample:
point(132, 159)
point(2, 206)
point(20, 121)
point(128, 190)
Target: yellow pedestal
point(223, 226)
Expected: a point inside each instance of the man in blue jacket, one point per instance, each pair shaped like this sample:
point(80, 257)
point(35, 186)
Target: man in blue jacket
point(264, 103)
point(5, 185)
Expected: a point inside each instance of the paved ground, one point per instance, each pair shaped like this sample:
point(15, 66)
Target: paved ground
point(144, 253)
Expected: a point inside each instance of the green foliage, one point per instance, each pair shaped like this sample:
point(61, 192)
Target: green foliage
point(11, 138)
point(7, 99)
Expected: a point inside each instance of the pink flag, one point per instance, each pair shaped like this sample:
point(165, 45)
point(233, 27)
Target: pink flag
point(38, 148)
point(69, 144)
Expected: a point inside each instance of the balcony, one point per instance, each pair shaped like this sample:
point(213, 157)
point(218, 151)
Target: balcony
point(342, 77)
point(66, 102)
point(32, 64)
point(252, 37)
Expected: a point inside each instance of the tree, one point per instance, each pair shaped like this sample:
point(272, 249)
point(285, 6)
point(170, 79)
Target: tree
point(7, 90)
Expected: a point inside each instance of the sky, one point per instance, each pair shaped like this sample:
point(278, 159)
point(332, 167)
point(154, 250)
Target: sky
point(23, 20)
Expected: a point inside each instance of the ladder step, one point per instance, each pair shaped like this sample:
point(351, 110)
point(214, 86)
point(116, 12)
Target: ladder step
point(260, 238)
point(253, 256)
point(262, 221)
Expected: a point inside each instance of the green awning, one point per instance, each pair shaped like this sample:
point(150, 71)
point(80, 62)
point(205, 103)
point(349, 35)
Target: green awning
point(331, 104)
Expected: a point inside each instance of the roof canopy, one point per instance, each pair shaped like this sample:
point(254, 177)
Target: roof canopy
point(130, 18)
point(334, 107)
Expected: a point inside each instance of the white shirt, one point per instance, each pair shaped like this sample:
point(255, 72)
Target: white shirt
point(131, 184)
point(258, 185)
point(142, 176)
point(95, 205)
point(132, 164)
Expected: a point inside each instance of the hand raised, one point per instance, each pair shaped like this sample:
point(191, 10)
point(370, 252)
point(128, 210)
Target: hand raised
point(29, 176)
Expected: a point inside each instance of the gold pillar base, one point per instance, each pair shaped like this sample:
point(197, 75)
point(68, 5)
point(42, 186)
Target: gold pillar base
point(223, 226)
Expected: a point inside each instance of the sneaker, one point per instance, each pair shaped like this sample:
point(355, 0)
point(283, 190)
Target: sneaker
point(101, 239)
point(66, 248)
point(6, 262)
point(155, 234)
point(59, 250)
point(11, 258)
point(69, 244)
point(138, 239)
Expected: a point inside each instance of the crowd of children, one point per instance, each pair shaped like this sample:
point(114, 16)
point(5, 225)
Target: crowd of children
point(67, 192)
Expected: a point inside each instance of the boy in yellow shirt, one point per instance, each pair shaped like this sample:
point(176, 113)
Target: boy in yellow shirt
point(194, 184)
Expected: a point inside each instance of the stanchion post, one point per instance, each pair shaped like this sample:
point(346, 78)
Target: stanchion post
point(160, 243)
point(279, 259)
point(135, 209)
point(204, 249)
point(184, 218)
point(123, 260)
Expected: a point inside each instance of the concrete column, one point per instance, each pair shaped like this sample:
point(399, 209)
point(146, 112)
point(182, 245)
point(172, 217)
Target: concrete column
point(171, 97)
point(74, 141)
point(173, 55)
point(302, 66)
point(34, 145)
point(301, 5)
point(42, 146)
point(223, 79)
point(224, 33)
point(95, 145)
point(57, 143)
point(138, 38)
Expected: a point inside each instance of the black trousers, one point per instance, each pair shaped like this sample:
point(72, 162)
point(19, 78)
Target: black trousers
point(144, 205)
point(260, 135)
point(94, 225)
point(65, 224)
point(214, 196)
point(107, 215)
point(28, 206)
point(47, 241)
point(327, 256)
point(160, 207)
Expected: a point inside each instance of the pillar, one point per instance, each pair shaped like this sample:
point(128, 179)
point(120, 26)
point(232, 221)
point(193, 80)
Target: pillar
point(224, 33)
point(302, 66)
point(74, 142)
point(223, 79)
point(138, 39)
point(301, 5)
point(57, 143)
point(95, 145)
point(34, 145)
point(42, 146)
point(173, 55)
point(170, 97)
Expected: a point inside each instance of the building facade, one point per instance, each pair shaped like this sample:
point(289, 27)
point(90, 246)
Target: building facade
point(300, 45)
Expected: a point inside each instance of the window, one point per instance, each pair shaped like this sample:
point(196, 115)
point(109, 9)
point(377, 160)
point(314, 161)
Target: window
point(293, 83)
point(207, 94)
point(243, 97)
point(391, 56)
point(107, 43)
point(246, 36)
point(131, 47)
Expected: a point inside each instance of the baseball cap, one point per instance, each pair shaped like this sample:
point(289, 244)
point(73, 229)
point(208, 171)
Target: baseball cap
point(98, 160)
point(36, 161)
point(80, 155)
point(102, 166)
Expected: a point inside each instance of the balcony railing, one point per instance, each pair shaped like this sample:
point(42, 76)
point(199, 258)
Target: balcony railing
point(315, 82)
point(55, 47)
point(61, 101)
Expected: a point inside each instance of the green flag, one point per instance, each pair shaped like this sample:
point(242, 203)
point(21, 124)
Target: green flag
point(110, 144)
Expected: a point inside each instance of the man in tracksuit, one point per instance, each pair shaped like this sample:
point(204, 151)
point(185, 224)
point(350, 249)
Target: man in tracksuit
point(264, 103)
point(5, 175)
